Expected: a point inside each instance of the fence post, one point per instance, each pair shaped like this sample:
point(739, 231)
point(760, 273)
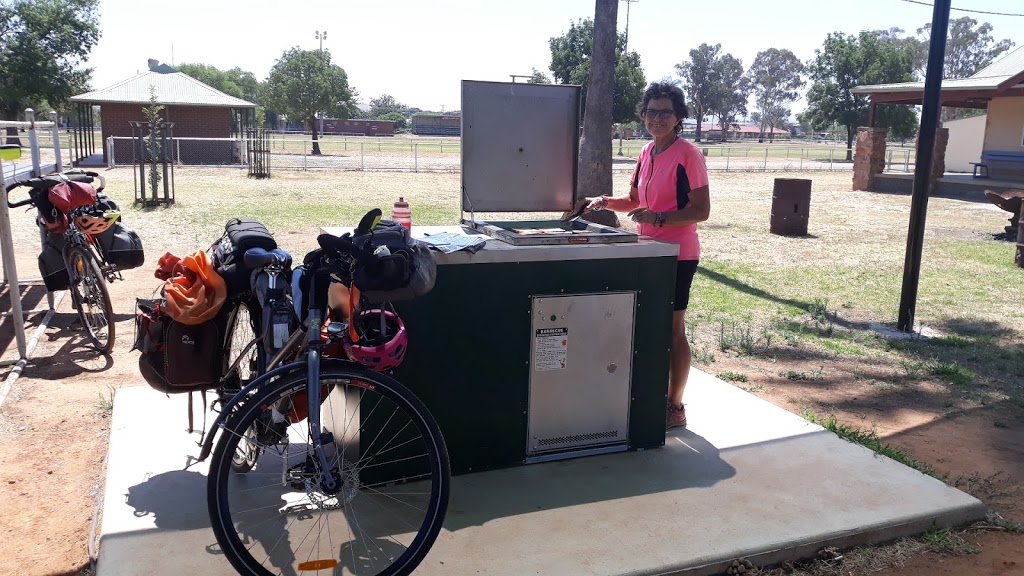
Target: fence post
point(727, 159)
point(831, 155)
point(10, 274)
point(110, 152)
point(58, 163)
point(33, 141)
point(362, 162)
point(801, 159)
point(906, 160)
point(303, 155)
point(415, 158)
point(765, 168)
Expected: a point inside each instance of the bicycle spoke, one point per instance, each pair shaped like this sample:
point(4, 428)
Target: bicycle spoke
point(287, 517)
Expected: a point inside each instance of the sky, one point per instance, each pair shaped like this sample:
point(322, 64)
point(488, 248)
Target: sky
point(419, 51)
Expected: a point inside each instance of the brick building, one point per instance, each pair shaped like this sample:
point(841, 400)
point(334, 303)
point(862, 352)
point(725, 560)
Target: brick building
point(195, 109)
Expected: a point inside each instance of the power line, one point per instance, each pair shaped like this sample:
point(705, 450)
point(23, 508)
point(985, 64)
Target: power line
point(965, 9)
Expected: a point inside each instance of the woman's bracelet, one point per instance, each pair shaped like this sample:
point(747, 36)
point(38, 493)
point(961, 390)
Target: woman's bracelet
point(659, 218)
point(601, 203)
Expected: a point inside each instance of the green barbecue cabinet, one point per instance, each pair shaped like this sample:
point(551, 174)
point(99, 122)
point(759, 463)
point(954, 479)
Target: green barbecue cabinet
point(551, 341)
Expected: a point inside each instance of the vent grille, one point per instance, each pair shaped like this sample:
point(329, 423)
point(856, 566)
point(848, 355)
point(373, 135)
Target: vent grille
point(578, 438)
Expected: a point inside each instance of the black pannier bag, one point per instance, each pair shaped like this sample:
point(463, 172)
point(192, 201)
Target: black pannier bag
point(192, 354)
point(239, 236)
point(177, 357)
point(122, 246)
point(407, 272)
point(51, 263)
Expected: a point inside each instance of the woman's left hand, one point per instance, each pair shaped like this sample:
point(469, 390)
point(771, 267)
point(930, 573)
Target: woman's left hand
point(642, 216)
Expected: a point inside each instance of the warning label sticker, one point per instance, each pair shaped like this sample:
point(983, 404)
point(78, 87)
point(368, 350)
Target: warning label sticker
point(550, 348)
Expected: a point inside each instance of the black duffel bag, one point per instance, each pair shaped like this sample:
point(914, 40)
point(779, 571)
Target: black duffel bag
point(122, 246)
point(407, 271)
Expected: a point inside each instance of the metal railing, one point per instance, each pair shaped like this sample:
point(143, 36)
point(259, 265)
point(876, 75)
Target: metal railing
point(417, 154)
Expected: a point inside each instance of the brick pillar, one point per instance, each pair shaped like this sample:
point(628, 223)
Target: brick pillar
point(938, 159)
point(868, 157)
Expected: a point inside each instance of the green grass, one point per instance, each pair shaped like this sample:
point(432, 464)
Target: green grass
point(808, 375)
point(944, 540)
point(105, 403)
point(952, 372)
point(733, 376)
point(869, 439)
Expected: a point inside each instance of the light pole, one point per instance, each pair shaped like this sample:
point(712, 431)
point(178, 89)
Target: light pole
point(628, 2)
point(321, 36)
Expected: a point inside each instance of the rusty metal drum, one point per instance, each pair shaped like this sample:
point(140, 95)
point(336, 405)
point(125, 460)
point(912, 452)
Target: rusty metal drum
point(791, 206)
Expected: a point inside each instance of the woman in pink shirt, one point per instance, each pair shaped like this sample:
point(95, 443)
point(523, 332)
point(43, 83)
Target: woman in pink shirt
point(668, 196)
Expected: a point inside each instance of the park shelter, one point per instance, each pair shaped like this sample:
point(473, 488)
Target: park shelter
point(998, 88)
point(436, 125)
point(206, 122)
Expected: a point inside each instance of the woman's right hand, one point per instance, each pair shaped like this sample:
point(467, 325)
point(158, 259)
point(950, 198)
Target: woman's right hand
point(596, 203)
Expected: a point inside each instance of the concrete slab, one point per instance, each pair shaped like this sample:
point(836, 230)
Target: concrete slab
point(746, 479)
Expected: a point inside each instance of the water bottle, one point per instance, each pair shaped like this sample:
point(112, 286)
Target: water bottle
point(402, 214)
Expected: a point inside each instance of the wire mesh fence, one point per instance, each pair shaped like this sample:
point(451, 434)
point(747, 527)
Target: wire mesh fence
point(444, 154)
point(294, 152)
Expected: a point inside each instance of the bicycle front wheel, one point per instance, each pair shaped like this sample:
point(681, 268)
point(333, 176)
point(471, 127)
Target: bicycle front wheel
point(384, 452)
point(90, 296)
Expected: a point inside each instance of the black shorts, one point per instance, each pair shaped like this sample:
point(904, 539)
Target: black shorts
point(685, 270)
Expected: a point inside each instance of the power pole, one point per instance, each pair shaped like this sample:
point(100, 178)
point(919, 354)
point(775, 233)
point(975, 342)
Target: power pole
point(628, 2)
point(931, 107)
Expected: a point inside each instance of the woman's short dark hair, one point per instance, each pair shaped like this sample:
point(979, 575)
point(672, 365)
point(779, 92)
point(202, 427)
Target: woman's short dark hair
point(665, 90)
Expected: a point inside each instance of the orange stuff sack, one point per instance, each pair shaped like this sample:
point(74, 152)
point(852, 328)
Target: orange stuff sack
point(196, 292)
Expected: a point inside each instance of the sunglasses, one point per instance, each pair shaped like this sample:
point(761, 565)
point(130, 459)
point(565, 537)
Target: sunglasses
point(662, 114)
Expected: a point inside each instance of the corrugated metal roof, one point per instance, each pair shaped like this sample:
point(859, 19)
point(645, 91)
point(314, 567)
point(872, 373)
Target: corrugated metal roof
point(947, 85)
point(1009, 65)
point(988, 78)
point(173, 88)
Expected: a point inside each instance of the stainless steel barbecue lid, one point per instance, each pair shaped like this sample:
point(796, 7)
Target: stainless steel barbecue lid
point(520, 146)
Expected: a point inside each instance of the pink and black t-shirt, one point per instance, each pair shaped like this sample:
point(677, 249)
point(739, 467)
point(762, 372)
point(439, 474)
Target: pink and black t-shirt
point(664, 183)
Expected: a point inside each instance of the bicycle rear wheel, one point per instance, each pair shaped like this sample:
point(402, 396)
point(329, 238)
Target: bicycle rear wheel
point(240, 341)
point(90, 296)
point(383, 449)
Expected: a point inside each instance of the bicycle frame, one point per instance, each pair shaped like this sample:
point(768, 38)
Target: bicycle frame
point(312, 361)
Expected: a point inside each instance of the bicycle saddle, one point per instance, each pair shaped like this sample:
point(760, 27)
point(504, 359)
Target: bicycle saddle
point(259, 258)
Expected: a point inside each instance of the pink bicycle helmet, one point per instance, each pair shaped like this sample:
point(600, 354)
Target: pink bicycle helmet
point(376, 349)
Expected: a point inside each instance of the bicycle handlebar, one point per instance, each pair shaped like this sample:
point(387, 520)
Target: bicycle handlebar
point(344, 245)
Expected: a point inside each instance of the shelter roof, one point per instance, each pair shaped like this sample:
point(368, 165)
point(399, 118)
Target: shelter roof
point(996, 79)
point(171, 87)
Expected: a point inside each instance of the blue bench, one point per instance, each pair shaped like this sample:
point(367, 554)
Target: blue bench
point(999, 160)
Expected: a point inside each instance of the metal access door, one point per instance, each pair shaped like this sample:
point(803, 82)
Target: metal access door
point(581, 361)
